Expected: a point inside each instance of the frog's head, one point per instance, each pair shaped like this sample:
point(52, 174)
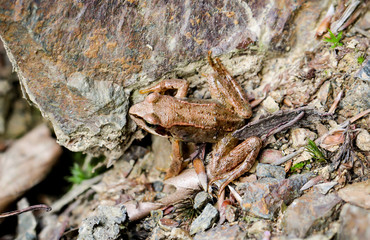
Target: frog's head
point(144, 115)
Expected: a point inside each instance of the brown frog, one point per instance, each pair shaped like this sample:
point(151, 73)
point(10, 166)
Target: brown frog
point(202, 121)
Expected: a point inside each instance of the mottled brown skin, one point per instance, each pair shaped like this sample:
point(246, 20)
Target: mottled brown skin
point(193, 120)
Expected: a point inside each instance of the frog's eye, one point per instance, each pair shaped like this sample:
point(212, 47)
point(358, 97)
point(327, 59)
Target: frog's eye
point(152, 119)
point(153, 98)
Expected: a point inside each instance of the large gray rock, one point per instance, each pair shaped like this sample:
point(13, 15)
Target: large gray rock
point(79, 62)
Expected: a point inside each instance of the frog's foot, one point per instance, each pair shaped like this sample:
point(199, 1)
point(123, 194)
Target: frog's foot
point(180, 85)
point(253, 145)
point(175, 168)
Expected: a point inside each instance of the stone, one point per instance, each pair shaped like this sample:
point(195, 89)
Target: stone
point(157, 186)
point(204, 220)
point(162, 150)
point(258, 228)
point(270, 105)
point(324, 188)
point(323, 92)
point(200, 200)
point(354, 223)
point(265, 196)
point(357, 194)
point(267, 170)
point(231, 213)
point(364, 72)
point(270, 156)
point(309, 212)
point(363, 140)
point(175, 234)
point(223, 232)
point(105, 224)
point(167, 223)
point(356, 99)
point(300, 137)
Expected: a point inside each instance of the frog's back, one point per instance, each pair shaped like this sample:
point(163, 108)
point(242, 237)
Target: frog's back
point(197, 120)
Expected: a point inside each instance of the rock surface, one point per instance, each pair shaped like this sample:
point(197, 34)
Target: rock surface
point(106, 224)
point(270, 105)
point(79, 62)
point(223, 232)
point(355, 223)
point(200, 200)
point(267, 170)
point(265, 196)
point(309, 212)
point(357, 194)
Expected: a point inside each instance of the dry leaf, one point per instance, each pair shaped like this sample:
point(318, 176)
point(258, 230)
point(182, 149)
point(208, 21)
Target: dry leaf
point(26, 163)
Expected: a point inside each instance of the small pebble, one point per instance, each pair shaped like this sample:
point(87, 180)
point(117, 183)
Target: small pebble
point(158, 186)
point(324, 188)
point(363, 141)
point(300, 137)
point(267, 170)
point(204, 220)
point(200, 200)
point(270, 105)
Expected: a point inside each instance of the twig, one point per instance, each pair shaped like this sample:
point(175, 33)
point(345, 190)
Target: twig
point(64, 219)
point(347, 13)
point(268, 123)
point(27, 209)
point(335, 103)
point(358, 116)
point(288, 157)
point(361, 31)
point(311, 182)
point(284, 126)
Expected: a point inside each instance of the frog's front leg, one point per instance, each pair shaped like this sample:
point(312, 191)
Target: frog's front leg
point(235, 163)
point(182, 88)
point(177, 160)
point(180, 85)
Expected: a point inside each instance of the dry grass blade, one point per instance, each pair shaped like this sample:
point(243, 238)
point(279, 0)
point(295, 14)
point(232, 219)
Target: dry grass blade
point(335, 103)
point(186, 213)
point(314, 150)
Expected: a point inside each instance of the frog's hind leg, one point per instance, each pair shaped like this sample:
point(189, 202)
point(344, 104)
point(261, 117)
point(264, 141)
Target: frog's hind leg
point(245, 153)
point(226, 89)
point(180, 85)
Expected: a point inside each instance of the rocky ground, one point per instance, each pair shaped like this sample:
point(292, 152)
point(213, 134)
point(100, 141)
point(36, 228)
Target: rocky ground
point(296, 190)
